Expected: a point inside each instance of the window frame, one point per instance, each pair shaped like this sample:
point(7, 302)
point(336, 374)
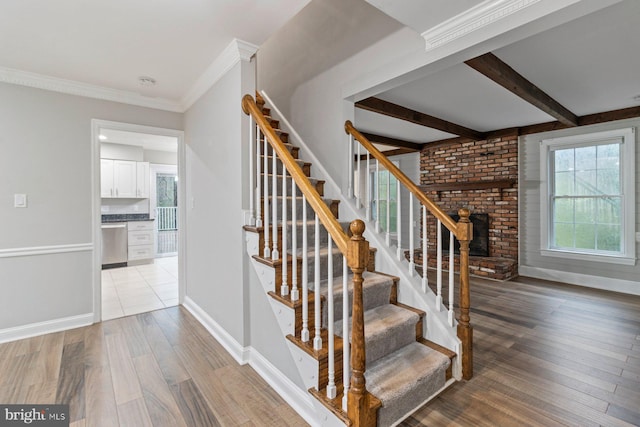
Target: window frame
point(626, 137)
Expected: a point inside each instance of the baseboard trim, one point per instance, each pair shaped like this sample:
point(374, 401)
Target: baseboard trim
point(300, 400)
point(47, 327)
point(238, 352)
point(595, 282)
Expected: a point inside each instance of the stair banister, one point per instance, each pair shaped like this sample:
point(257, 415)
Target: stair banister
point(463, 231)
point(356, 250)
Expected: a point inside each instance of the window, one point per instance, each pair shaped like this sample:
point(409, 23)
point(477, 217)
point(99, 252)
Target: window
point(588, 206)
point(379, 181)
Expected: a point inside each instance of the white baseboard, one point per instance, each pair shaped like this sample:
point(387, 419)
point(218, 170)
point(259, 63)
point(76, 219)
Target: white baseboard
point(300, 400)
point(596, 282)
point(47, 327)
point(240, 354)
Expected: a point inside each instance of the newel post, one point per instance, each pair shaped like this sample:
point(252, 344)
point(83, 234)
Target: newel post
point(359, 411)
point(465, 330)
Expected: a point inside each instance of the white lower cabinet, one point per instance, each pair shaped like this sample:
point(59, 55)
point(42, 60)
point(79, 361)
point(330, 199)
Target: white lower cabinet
point(141, 241)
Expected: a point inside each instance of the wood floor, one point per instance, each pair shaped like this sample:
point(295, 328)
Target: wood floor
point(545, 355)
point(153, 369)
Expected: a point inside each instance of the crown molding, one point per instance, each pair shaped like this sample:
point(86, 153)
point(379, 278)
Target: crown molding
point(472, 19)
point(40, 81)
point(235, 52)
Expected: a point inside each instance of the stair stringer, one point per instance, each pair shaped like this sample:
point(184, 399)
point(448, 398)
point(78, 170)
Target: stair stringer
point(437, 328)
point(306, 365)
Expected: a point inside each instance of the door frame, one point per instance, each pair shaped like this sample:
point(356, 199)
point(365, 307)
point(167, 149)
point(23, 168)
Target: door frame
point(96, 126)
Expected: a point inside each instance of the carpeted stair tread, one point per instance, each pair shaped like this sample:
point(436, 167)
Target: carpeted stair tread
point(376, 290)
point(387, 328)
point(404, 379)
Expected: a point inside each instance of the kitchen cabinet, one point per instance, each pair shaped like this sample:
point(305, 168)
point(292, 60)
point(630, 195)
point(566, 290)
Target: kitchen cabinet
point(124, 179)
point(142, 180)
point(140, 241)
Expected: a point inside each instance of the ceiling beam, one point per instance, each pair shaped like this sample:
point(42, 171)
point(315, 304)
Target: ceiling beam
point(392, 142)
point(388, 153)
point(589, 119)
point(390, 109)
point(492, 67)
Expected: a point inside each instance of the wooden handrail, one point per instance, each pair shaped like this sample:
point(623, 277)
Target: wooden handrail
point(325, 216)
point(405, 180)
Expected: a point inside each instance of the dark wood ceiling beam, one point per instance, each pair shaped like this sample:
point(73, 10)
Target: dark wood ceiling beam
point(589, 119)
point(392, 142)
point(390, 109)
point(389, 153)
point(492, 67)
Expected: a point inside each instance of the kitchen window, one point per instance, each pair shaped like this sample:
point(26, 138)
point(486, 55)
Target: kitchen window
point(588, 197)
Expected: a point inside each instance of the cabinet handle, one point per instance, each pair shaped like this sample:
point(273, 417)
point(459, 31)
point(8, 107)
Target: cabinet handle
point(116, 192)
point(111, 192)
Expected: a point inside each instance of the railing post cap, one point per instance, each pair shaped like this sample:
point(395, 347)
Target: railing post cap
point(464, 213)
point(245, 100)
point(357, 227)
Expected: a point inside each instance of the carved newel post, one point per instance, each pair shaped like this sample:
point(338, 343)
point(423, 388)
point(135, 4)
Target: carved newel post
point(359, 411)
point(465, 330)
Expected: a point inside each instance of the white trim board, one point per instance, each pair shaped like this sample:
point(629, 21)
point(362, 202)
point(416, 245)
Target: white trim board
point(234, 348)
point(595, 282)
point(45, 250)
point(47, 327)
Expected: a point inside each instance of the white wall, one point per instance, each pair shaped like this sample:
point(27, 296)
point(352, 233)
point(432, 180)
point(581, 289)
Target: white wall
point(121, 152)
point(45, 152)
point(616, 277)
point(160, 157)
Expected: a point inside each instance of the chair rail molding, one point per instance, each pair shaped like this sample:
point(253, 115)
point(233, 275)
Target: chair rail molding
point(45, 250)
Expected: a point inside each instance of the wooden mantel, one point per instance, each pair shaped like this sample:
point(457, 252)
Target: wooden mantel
point(469, 185)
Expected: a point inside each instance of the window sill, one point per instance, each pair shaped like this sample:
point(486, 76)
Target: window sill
point(584, 256)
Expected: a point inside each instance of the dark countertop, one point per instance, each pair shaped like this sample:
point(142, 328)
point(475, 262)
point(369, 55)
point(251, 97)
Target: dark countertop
point(126, 217)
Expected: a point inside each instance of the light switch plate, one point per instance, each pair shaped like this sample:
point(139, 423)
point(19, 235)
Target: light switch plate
point(19, 200)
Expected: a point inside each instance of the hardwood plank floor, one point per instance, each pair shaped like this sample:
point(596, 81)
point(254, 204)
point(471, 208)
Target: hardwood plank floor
point(153, 369)
point(546, 354)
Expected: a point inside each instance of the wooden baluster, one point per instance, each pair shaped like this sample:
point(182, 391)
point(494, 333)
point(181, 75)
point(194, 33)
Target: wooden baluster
point(425, 279)
point(258, 181)
point(465, 330)
point(304, 335)
point(350, 189)
point(368, 181)
point(252, 217)
point(399, 252)
point(284, 289)
point(358, 409)
point(331, 386)
point(317, 339)
point(295, 293)
point(267, 225)
point(346, 370)
point(412, 226)
point(275, 254)
point(377, 196)
point(451, 275)
point(439, 265)
point(388, 236)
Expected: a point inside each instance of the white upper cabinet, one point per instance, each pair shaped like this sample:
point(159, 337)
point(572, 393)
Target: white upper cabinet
point(142, 179)
point(106, 178)
point(124, 179)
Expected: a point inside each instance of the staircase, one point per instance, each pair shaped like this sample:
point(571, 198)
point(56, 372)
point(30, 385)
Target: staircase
point(320, 296)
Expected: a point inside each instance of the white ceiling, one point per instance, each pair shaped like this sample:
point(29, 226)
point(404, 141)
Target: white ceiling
point(111, 43)
point(589, 65)
point(144, 140)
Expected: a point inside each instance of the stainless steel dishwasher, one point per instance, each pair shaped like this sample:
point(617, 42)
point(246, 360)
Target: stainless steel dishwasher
point(114, 244)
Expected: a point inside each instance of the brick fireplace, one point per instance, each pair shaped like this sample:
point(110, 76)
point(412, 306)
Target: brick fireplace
point(481, 176)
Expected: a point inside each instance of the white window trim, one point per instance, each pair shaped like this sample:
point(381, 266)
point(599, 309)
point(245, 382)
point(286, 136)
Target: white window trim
point(627, 154)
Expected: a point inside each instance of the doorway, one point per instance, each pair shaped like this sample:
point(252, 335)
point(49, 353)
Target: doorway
point(146, 199)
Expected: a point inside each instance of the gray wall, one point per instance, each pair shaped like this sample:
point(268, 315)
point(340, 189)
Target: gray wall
point(529, 171)
point(45, 152)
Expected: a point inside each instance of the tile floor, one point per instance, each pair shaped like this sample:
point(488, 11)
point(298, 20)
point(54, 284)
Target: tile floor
point(138, 289)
